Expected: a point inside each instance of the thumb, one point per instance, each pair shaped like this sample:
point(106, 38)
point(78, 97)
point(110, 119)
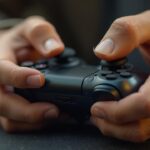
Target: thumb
point(123, 36)
point(42, 35)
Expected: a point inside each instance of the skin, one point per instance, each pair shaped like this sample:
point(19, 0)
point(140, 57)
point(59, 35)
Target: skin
point(129, 118)
point(16, 45)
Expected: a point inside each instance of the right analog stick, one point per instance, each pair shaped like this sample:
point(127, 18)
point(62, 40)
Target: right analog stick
point(114, 64)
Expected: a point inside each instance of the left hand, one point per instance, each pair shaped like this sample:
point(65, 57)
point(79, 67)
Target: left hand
point(32, 39)
point(129, 118)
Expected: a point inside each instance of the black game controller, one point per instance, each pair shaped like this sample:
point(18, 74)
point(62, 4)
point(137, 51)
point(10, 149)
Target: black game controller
point(74, 86)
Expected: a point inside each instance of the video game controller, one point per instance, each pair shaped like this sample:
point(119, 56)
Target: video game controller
point(75, 86)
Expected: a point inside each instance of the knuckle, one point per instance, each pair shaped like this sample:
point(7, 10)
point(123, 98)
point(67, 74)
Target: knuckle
point(34, 17)
point(38, 26)
point(40, 30)
point(126, 26)
point(33, 21)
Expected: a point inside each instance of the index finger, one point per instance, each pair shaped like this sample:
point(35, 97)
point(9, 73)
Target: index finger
point(17, 108)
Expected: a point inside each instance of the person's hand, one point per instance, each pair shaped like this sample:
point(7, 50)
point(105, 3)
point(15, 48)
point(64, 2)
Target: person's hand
point(32, 39)
point(129, 118)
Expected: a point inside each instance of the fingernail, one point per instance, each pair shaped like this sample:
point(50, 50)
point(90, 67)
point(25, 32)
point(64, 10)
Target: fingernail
point(51, 113)
point(34, 81)
point(105, 47)
point(51, 45)
point(99, 113)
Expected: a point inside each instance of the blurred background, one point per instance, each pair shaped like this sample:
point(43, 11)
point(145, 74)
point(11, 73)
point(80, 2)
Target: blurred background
point(81, 24)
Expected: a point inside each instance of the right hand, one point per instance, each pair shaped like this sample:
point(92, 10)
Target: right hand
point(129, 118)
point(32, 39)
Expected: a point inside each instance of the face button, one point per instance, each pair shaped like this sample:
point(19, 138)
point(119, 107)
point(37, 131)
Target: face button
point(27, 64)
point(42, 61)
point(41, 66)
point(125, 74)
point(105, 72)
point(111, 76)
point(121, 70)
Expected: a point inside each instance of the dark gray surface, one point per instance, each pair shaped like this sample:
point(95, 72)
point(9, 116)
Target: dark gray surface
point(66, 137)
